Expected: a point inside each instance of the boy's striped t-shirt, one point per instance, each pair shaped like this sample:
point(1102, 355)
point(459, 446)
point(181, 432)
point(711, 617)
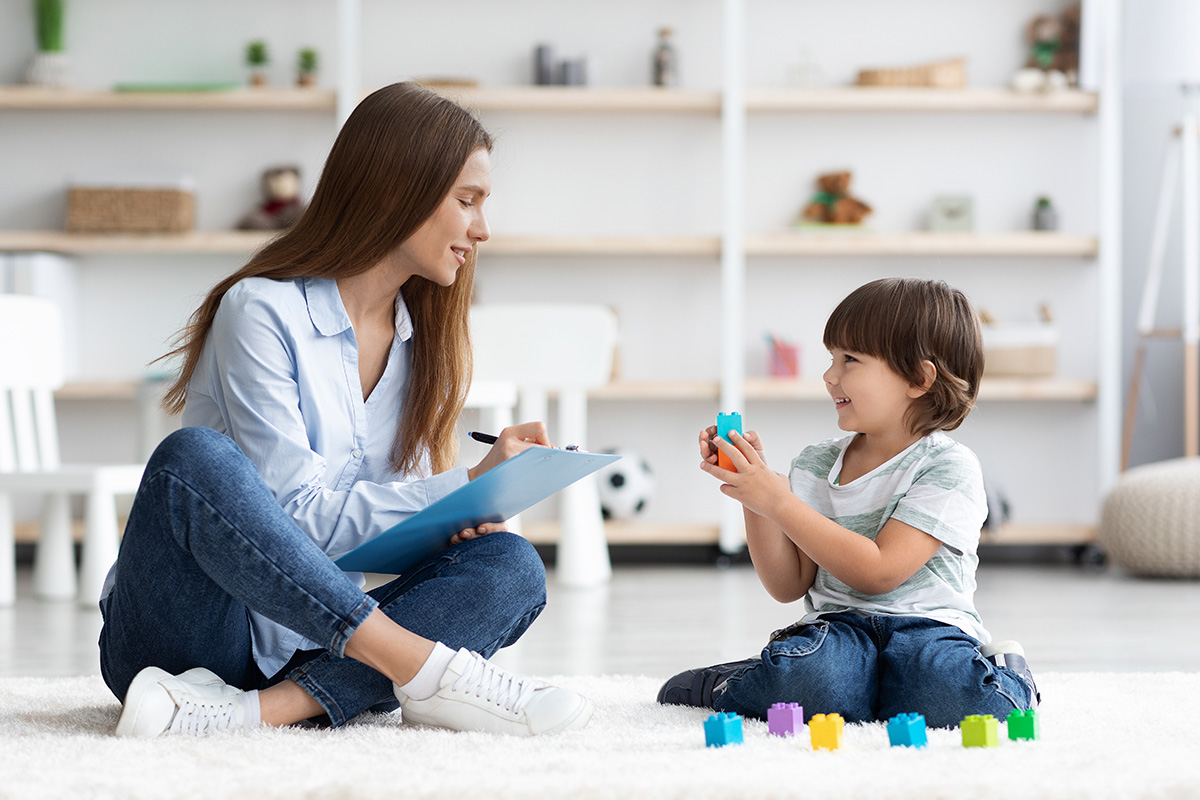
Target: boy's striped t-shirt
point(936, 486)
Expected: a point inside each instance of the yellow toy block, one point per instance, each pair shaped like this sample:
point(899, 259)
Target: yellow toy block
point(826, 731)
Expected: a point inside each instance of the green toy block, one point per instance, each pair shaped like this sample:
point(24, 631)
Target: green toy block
point(980, 731)
point(826, 731)
point(1024, 725)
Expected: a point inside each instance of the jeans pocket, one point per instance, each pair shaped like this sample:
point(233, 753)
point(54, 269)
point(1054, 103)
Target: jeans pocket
point(800, 639)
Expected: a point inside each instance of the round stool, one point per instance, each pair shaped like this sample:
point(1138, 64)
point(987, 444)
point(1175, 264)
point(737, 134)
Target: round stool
point(1150, 524)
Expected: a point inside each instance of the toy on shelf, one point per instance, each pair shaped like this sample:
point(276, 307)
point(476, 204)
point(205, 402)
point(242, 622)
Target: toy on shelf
point(307, 62)
point(980, 730)
point(826, 731)
point(907, 730)
point(1053, 61)
point(624, 486)
point(565, 72)
point(948, 74)
point(952, 214)
point(1024, 725)
point(257, 59)
point(833, 204)
point(722, 729)
point(785, 719)
point(783, 357)
point(666, 69)
point(281, 205)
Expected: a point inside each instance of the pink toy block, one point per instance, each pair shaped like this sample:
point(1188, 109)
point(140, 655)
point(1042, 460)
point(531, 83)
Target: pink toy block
point(722, 729)
point(980, 731)
point(907, 730)
point(826, 731)
point(785, 719)
point(1024, 725)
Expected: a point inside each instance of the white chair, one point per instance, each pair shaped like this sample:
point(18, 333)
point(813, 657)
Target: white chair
point(565, 349)
point(31, 359)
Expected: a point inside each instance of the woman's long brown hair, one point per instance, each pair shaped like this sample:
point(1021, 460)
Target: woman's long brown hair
point(393, 162)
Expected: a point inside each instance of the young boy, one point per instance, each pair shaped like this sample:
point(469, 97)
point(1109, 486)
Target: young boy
point(877, 531)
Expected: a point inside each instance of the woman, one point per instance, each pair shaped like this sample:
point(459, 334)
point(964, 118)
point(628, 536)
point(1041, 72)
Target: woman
point(321, 384)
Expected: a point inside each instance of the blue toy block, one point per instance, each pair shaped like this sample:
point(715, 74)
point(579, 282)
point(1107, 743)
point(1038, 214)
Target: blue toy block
point(722, 729)
point(1024, 725)
point(907, 730)
point(726, 423)
point(785, 719)
point(980, 730)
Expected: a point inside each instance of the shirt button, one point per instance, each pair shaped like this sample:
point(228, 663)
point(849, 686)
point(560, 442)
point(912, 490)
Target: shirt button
point(357, 454)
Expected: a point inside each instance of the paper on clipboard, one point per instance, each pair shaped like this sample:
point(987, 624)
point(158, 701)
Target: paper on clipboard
point(499, 494)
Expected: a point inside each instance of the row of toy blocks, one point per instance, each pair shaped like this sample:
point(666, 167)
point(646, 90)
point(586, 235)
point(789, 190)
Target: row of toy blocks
point(722, 729)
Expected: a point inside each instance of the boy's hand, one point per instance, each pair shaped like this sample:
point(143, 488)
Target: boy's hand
point(483, 529)
point(708, 447)
point(754, 485)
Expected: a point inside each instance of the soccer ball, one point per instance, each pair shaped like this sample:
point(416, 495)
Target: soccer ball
point(625, 486)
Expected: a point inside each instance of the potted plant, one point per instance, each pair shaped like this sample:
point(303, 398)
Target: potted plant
point(306, 67)
point(1045, 217)
point(257, 59)
point(51, 66)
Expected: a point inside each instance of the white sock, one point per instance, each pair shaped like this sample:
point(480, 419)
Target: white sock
point(252, 711)
point(429, 678)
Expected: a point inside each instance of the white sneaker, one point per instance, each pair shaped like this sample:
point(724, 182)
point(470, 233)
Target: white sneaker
point(476, 695)
point(1011, 654)
point(194, 702)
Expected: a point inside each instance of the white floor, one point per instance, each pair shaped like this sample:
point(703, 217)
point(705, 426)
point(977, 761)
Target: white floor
point(658, 620)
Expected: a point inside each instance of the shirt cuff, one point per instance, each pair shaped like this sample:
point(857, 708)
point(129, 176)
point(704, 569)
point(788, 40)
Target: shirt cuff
point(444, 483)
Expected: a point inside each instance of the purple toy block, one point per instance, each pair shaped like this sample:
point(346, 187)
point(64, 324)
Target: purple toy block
point(907, 730)
point(722, 729)
point(785, 719)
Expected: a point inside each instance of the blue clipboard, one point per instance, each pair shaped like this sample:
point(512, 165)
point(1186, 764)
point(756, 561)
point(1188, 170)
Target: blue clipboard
point(498, 494)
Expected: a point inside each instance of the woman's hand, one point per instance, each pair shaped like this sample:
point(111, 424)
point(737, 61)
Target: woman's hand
point(754, 485)
point(483, 529)
point(511, 441)
point(708, 447)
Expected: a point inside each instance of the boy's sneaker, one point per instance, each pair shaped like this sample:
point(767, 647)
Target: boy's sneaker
point(1009, 653)
point(476, 695)
point(194, 702)
point(698, 687)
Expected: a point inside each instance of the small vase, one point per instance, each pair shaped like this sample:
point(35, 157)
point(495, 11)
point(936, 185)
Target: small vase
point(1045, 218)
point(49, 69)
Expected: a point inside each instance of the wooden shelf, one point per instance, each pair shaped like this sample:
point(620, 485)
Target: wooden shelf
point(582, 99)
point(1050, 533)
point(766, 389)
point(706, 246)
point(834, 242)
point(546, 532)
point(84, 244)
point(32, 98)
point(918, 99)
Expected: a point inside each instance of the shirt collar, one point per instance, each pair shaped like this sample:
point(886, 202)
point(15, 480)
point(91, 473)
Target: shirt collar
point(329, 316)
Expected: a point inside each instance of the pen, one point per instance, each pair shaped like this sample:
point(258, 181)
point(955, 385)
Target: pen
point(488, 438)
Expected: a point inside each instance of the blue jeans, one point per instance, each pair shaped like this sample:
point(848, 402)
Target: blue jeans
point(873, 667)
point(207, 540)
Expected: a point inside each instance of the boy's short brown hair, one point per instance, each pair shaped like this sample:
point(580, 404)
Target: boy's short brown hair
point(905, 322)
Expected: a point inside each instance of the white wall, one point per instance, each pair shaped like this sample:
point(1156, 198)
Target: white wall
point(635, 173)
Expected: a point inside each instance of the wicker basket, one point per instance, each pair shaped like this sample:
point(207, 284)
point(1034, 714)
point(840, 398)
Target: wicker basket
point(951, 74)
point(129, 210)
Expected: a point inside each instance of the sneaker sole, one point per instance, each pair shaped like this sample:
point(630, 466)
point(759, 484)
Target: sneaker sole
point(131, 709)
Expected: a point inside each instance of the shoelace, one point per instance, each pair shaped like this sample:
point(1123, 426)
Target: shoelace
point(495, 685)
point(205, 716)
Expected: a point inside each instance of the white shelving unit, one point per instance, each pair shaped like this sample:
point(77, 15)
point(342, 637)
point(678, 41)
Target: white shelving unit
point(729, 255)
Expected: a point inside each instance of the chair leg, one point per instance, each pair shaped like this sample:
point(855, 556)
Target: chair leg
point(54, 561)
point(100, 544)
point(8, 553)
point(582, 548)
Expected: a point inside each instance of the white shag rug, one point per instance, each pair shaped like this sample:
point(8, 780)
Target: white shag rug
point(1103, 735)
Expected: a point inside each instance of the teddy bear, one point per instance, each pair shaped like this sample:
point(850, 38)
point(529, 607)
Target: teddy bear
point(833, 203)
point(281, 204)
point(1053, 52)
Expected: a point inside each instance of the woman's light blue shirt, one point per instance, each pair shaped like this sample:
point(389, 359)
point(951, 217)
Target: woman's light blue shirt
point(279, 375)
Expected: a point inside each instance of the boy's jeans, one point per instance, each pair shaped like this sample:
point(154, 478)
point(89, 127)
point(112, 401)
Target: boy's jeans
point(206, 540)
point(873, 667)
